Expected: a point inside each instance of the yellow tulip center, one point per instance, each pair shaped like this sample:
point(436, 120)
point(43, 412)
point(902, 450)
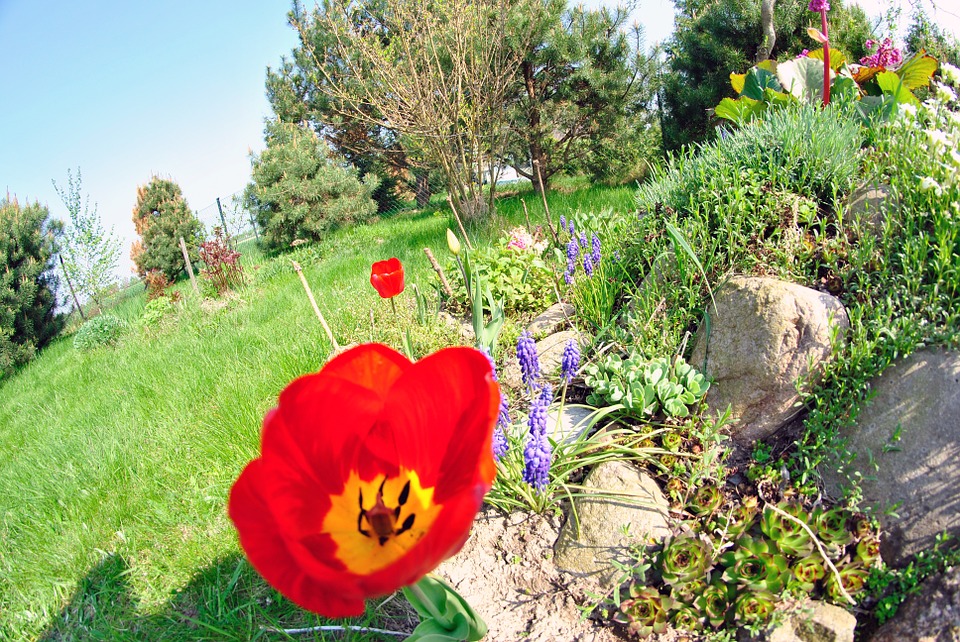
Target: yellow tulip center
point(376, 522)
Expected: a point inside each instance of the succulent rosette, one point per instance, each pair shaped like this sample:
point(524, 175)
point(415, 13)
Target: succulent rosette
point(806, 572)
point(754, 607)
point(833, 529)
point(644, 612)
point(713, 602)
point(755, 565)
point(738, 520)
point(685, 558)
point(868, 551)
point(705, 500)
point(686, 618)
point(790, 537)
point(853, 576)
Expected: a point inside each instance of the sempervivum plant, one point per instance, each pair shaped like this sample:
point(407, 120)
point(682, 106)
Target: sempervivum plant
point(706, 500)
point(868, 551)
point(789, 536)
point(806, 571)
point(833, 529)
point(643, 613)
point(685, 558)
point(754, 607)
point(754, 564)
point(686, 618)
point(853, 576)
point(713, 602)
point(739, 519)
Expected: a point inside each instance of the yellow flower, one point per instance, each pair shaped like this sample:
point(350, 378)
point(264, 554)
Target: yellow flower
point(453, 242)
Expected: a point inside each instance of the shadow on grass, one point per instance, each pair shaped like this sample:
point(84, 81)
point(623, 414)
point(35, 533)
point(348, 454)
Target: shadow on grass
point(225, 601)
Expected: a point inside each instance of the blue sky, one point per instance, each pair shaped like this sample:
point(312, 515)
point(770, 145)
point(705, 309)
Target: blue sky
point(126, 90)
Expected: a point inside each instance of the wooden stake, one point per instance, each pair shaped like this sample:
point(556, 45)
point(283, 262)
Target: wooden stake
point(546, 208)
point(186, 259)
point(439, 270)
point(313, 302)
point(75, 301)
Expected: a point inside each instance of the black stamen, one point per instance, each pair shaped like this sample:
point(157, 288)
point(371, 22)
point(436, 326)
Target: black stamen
point(396, 513)
point(383, 540)
point(361, 499)
point(407, 524)
point(380, 492)
point(404, 494)
point(360, 522)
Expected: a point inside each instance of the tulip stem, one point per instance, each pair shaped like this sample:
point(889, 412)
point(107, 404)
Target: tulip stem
point(393, 304)
point(425, 601)
point(333, 627)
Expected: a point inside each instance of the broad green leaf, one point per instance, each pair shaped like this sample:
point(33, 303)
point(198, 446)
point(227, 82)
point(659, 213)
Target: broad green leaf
point(837, 59)
point(740, 110)
point(844, 89)
point(802, 77)
point(893, 85)
point(736, 81)
point(917, 71)
point(768, 65)
point(778, 98)
point(757, 81)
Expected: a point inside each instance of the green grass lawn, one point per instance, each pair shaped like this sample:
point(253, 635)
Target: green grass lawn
point(115, 464)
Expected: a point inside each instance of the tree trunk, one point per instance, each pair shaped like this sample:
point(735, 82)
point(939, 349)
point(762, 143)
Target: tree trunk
point(423, 190)
point(537, 155)
point(769, 33)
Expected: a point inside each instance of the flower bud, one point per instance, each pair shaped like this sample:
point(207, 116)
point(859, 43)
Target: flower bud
point(453, 242)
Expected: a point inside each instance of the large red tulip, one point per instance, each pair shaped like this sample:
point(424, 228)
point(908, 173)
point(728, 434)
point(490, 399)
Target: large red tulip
point(370, 474)
point(387, 277)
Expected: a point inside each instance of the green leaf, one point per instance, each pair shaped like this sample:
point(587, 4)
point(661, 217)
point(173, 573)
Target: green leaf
point(802, 77)
point(757, 81)
point(917, 71)
point(679, 242)
point(892, 84)
point(837, 59)
point(739, 111)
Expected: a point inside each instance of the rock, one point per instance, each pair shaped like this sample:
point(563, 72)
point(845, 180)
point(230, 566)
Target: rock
point(609, 525)
point(549, 353)
point(464, 328)
point(765, 335)
point(815, 622)
point(932, 615)
point(866, 204)
point(505, 573)
point(572, 423)
point(551, 320)
point(910, 430)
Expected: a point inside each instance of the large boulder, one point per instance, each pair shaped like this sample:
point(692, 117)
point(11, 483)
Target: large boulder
point(905, 442)
point(932, 615)
point(765, 335)
point(609, 525)
point(551, 320)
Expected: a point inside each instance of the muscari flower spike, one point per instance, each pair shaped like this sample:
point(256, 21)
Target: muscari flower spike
point(369, 475)
point(527, 356)
point(570, 361)
point(595, 255)
point(537, 453)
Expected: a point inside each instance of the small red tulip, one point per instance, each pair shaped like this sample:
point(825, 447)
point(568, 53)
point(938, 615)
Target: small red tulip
point(370, 474)
point(387, 277)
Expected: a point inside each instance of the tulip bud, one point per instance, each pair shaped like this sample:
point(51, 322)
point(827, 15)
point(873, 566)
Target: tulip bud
point(817, 35)
point(453, 242)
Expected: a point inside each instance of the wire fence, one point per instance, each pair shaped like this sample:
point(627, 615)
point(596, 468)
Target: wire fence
point(229, 214)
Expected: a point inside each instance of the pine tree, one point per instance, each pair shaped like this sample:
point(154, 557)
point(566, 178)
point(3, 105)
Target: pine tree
point(28, 283)
point(298, 192)
point(162, 217)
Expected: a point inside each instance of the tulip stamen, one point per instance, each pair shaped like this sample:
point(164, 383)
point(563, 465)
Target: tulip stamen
point(382, 519)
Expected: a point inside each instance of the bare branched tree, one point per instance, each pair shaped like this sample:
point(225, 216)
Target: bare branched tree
point(438, 72)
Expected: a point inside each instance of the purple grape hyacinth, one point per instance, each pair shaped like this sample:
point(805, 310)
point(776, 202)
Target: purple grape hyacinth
point(570, 361)
point(588, 265)
point(596, 249)
point(527, 356)
point(500, 445)
point(537, 452)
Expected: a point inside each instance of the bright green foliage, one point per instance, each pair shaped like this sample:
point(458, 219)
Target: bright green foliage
point(583, 95)
point(684, 559)
point(789, 536)
point(162, 217)
point(28, 285)
point(298, 192)
point(714, 39)
point(925, 35)
point(99, 331)
point(155, 310)
point(90, 253)
point(516, 277)
point(644, 387)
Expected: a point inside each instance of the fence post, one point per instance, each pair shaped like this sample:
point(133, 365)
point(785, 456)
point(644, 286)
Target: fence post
point(254, 224)
point(186, 258)
point(223, 220)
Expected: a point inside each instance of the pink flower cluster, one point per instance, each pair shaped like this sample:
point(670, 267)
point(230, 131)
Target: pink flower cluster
point(520, 239)
point(885, 56)
point(819, 6)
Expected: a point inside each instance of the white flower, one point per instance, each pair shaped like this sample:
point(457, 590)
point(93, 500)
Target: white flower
point(944, 92)
point(950, 73)
point(907, 110)
point(938, 138)
point(928, 184)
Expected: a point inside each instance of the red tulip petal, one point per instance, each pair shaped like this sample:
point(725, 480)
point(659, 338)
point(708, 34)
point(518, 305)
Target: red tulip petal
point(332, 595)
point(387, 277)
point(439, 419)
